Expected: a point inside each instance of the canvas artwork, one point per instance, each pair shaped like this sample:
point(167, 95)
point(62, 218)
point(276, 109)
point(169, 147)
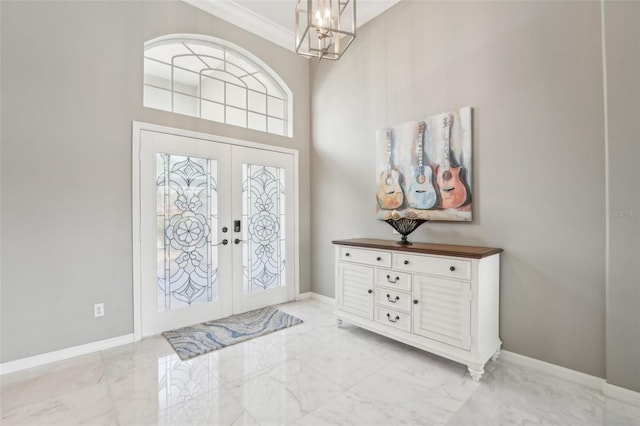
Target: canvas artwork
point(424, 168)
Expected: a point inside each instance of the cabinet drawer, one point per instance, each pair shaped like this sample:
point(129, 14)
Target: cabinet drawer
point(444, 267)
point(393, 299)
point(368, 257)
point(396, 319)
point(393, 279)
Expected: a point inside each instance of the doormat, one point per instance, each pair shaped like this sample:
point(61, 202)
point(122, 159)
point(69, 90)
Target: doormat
point(189, 342)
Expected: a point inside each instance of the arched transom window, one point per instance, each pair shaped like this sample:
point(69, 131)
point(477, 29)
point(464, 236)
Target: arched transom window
point(213, 79)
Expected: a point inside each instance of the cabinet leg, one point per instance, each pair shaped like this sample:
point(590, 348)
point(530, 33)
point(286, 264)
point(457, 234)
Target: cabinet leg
point(476, 373)
point(495, 355)
point(338, 322)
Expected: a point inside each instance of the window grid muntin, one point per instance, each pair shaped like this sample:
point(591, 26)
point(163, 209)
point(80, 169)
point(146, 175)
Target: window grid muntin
point(220, 103)
point(259, 71)
point(283, 99)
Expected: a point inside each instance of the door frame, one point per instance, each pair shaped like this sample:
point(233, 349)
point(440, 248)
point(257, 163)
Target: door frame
point(137, 129)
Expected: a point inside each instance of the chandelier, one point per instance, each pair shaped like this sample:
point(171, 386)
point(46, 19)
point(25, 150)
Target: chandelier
point(325, 28)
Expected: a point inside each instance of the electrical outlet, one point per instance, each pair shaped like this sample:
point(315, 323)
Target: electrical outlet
point(98, 310)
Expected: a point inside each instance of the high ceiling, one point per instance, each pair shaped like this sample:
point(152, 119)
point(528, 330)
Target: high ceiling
point(274, 20)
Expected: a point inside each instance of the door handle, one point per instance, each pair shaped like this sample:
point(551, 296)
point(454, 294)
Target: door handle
point(223, 242)
point(238, 241)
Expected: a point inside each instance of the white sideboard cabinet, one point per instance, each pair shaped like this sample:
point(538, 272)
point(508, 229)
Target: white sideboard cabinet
point(440, 298)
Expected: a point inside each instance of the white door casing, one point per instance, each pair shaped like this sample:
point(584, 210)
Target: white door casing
point(227, 156)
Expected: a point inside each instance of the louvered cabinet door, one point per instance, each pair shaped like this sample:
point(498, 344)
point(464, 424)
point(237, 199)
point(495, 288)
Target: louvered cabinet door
point(443, 310)
point(355, 289)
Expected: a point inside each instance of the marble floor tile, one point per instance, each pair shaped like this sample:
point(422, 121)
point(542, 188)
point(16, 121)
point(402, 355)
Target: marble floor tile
point(63, 377)
point(343, 360)
point(551, 399)
point(217, 407)
point(85, 406)
point(123, 359)
point(402, 394)
point(479, 411)
point(285, 393)
point(171, 381)
point(248, 358)
point(350, 409)
point(311, 374)
point(620, 414)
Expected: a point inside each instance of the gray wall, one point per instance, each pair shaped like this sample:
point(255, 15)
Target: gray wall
point(532, 71)
point(71, 86)
point(622, 41)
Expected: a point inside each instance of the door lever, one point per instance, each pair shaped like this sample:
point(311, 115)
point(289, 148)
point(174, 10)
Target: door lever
point(238, 241)
point(223, 242)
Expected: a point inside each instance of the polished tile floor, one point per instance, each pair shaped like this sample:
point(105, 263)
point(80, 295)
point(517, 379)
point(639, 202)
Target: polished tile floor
point(310, 374)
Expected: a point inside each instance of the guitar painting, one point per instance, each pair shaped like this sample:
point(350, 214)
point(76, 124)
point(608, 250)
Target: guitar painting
point(453, 191)
point(389, 195)
point(424, 168)
point(421, 194)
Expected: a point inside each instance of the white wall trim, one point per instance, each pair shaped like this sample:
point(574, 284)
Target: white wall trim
point(315, 296)
point(621, 394)
point(242, 17)
point(62, 354)
point(137, 129)
point(371, 9)
point(321, 298)
point(592, 382)
point(583, 379)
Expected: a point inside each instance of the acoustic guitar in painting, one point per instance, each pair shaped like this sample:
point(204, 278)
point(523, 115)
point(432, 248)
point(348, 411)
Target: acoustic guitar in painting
point(453, 191)
point(421, 193)
point(389, 194)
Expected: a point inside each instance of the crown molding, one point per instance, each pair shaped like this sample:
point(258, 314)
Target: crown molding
point(366, 11)
point(240, 16)
point(246, 19)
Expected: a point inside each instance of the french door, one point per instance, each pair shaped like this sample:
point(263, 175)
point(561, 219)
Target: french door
point(216, 230)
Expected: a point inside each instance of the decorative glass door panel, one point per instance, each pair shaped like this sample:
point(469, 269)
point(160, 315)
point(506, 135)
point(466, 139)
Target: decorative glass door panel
point(263, 213)
point(186, 275)
point(187, 252)
point(264, 250)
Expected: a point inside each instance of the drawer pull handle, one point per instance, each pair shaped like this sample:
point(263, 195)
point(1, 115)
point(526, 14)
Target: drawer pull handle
point(392, 320)
point(415, 301)
point(406, 262)
point(347, 254)
point(378, 258)
point(369, 291)
point(394, 281)
point(392, 300)
point(452, 268)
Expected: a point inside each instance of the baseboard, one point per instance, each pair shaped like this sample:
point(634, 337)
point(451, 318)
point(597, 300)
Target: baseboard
point(583, 379)
point(315, 296)
point(621, 394)
point(322, 298)
point(611, 391)
point(49, 357)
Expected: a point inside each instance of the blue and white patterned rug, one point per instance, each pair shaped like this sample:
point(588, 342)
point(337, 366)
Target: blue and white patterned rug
point(209, 336)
